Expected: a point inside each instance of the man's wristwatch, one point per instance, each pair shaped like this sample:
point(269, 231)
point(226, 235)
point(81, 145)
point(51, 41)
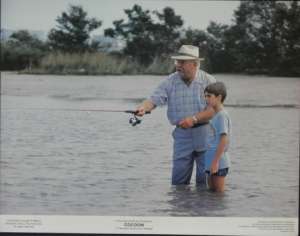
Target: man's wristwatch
point(195, 120)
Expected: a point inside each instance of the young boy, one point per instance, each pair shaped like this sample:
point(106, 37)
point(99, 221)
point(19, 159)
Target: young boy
point(217, 161)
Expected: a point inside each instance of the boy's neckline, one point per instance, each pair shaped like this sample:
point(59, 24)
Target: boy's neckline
point(220, 109)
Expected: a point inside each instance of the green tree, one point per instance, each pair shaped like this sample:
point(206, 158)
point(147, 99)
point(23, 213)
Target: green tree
point(264, 36)
point(250, 20)
point(21, 51)
point(211, 45)
point(221, 58)
point(73, 31)
point(144, 38)
point(167, 31)
point(287, 19)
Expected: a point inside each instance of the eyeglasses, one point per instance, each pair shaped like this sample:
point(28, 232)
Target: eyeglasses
point(182, 62)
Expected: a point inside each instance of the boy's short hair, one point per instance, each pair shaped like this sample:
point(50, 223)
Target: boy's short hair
point(217, 88)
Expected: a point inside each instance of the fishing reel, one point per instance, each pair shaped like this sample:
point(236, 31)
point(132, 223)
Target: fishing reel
point(134, 120)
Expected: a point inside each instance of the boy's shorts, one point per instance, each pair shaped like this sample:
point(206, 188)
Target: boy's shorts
point(221, 172)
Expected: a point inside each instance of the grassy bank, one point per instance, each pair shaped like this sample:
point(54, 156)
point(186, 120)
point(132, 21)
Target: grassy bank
point(97, 64)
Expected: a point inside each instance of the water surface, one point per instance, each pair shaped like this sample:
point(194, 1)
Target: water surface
point(55, 160)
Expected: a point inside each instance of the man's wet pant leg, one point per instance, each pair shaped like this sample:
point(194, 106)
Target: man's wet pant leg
point(182, 170)
point(200, 170)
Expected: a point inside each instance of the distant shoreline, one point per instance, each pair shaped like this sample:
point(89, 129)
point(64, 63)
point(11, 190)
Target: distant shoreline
point(134, 74)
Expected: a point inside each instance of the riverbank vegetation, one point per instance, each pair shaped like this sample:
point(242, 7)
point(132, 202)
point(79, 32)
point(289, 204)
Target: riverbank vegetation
point(264, 38)
point(95, 63)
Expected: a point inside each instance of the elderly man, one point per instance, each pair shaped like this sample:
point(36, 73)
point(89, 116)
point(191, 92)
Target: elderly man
point(183, 93)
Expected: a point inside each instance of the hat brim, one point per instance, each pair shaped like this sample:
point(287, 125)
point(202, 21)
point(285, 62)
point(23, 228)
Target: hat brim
point(183, 57)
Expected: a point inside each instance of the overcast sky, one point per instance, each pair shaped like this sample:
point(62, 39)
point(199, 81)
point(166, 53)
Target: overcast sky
point(41, 14)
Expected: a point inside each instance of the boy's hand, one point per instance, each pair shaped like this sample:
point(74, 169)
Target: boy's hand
point(186, 123)
point(214, 166)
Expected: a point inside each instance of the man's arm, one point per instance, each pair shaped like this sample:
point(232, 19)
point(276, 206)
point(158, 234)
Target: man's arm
point(200, 117)
point(145, 106)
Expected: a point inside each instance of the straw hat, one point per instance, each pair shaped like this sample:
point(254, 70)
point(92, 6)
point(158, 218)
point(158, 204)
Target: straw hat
point(187, 52)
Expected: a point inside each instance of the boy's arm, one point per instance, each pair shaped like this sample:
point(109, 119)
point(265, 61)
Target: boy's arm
point(220, 150)
point(200, 117)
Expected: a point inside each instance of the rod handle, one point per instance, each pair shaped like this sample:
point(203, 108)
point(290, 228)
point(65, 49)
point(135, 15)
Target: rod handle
point(135, 112)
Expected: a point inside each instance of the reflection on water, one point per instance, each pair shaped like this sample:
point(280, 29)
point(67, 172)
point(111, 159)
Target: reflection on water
point(57, 158)
point(196, 201)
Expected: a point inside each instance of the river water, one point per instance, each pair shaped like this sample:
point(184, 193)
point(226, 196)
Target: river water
point(58, 160)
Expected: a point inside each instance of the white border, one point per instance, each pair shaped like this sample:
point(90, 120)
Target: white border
point(150, 225)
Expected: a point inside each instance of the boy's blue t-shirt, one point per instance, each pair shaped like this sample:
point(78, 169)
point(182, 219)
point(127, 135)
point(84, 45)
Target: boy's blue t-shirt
point(219, 124)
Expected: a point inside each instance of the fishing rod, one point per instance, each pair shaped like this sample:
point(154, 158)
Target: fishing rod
point(134, 112)
point(134, 120)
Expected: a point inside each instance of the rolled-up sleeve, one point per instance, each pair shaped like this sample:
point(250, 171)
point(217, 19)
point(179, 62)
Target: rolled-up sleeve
point(159, 97)
point(222, 125)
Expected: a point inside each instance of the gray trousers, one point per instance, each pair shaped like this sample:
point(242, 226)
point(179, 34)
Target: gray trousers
point(183, 169)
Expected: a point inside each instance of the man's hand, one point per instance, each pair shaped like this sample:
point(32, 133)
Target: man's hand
point(145, 107)
point(140, 111)
point(187, 122)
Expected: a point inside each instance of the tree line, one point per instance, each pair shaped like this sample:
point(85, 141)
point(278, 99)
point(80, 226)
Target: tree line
point(263, 38)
